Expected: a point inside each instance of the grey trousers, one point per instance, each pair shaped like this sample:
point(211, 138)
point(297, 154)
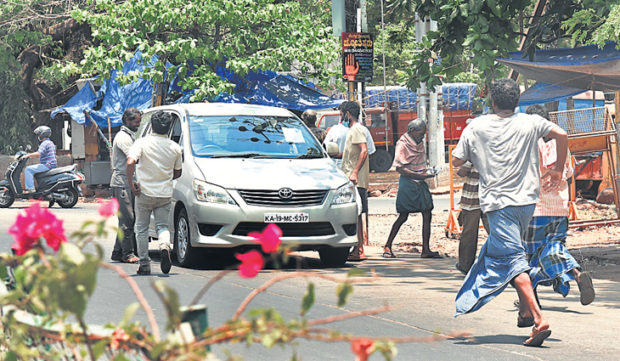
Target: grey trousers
point(160, 208)
point(468, 243)
point(125, 246)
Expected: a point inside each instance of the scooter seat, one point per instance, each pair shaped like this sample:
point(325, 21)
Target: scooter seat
point(51, 172)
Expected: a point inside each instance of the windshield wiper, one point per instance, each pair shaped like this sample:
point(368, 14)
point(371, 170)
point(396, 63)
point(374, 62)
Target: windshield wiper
point(242, 155)
point(309, 156)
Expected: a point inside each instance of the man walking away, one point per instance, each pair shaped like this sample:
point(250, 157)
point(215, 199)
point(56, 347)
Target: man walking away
point(545, 240)
point(503, 147)
point(355, 166)
point(124, 247)
point(469, 218)
point(413, 193)
point(159, 162)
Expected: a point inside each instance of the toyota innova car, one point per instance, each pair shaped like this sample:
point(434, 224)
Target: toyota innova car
point(245, 166)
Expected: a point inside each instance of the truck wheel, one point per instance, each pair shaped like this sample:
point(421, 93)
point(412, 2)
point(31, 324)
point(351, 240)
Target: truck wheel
point(334, 256)
point(381, 161)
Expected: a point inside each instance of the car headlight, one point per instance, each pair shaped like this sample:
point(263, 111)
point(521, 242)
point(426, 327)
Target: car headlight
point(207, 192)
point(345, 194)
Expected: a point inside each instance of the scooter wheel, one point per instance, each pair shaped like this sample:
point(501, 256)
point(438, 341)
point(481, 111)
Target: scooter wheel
point(6, 197)
point(72, 198)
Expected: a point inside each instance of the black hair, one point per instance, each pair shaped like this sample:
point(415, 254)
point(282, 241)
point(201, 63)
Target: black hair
point(309, 117)
point(161, 122)
point(351, 107)
point(538, 110)
point(131, 114)
point(505, 94)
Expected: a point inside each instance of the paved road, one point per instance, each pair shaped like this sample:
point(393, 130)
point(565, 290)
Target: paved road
point(421, 290)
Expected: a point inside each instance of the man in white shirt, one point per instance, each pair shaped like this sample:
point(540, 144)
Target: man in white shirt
point(159, 162)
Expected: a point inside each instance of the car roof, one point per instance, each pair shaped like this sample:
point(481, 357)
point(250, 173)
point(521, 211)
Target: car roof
point(219, 109)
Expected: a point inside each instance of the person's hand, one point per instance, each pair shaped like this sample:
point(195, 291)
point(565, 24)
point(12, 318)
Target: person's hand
point(463, 171)
point(353, 178)
point(351, 67)
point(135, 188)
point(551, 180)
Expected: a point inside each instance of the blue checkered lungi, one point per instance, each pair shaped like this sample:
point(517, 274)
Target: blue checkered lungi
point(550, 261)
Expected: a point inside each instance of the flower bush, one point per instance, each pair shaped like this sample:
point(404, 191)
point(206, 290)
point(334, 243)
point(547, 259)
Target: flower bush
point(50, 279)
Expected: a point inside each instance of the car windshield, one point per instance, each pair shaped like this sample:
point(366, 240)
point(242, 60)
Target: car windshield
point(248, 136)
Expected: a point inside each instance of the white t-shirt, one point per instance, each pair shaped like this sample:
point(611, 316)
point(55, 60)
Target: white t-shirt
point(157, 158)
point(505, 153)
point(338, 134)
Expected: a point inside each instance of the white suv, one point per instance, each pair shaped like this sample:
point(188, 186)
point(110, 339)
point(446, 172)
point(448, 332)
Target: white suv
point(245, 166)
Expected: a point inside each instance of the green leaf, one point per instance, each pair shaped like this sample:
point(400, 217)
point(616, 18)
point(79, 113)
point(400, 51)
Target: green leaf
point(308, 300)
point(356, 272)
point(343, 291)
point(129, 313)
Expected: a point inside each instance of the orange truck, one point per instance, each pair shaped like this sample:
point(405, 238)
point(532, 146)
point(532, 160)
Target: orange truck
point(388, 124)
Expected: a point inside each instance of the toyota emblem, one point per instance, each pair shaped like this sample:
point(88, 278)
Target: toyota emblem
point(285, 193)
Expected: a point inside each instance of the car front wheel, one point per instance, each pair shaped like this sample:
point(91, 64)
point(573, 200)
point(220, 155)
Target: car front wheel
point(186, 254)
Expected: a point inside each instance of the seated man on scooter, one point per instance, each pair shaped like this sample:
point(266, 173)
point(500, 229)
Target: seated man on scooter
point(46, 153)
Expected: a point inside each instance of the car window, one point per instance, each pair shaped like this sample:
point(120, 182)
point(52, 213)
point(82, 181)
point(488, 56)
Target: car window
point(175, 130)
point(252, 136)
point(329, 121)
point(145, 125)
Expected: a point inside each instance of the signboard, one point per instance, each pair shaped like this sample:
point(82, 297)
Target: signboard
point(357, 57)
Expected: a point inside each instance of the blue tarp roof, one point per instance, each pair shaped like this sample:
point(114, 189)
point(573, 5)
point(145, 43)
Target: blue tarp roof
point(541, 93)
point(456, 96)
point(260, 87)
point(587, 67)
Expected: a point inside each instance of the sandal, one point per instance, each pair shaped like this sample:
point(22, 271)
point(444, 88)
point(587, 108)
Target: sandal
point(538, 336)
point(388, 254)
point(130, 259)
point(525, 321)
point(586, 289)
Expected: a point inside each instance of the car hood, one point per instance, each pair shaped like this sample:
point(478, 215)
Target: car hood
point(232, 173)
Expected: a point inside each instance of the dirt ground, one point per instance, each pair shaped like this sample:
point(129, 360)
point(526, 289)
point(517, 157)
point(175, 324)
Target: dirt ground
point(596, 248)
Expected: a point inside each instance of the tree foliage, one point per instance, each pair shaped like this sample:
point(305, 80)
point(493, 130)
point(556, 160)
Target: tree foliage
point(196, 36)
point(487, 29)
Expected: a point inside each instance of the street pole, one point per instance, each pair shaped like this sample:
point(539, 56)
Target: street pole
point(435, 129)
point(420, 31)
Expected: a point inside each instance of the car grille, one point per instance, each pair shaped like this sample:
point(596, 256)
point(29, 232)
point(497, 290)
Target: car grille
point(271, 198)
point(288, 229)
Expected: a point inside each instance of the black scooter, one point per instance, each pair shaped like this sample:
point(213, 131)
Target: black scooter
point(60, 185)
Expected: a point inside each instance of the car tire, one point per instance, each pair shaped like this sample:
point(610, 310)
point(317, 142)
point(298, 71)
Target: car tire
point(334, 256)
point(381, 161)
point(186, 254)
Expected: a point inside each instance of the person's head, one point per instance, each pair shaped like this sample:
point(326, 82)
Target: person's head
point(504, 94)
point(161, 122)
point(538, 110)
point(350, 112)
point(309, 117)
point(416, 130)
point(43, 132)
point(131, 118)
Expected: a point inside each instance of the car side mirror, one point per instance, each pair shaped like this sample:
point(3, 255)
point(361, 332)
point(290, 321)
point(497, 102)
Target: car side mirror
point(332, 149)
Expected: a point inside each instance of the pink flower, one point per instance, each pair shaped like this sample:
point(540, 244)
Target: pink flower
point(269, 238)
point(251, 263)
point(119, 336)
point(362, 347)
point(108, 208)
point(36, 223)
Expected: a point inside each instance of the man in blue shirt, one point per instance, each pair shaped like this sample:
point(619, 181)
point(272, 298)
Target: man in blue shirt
point(46, 153)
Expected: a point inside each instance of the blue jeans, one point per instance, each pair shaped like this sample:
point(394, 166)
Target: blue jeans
point(30, 171)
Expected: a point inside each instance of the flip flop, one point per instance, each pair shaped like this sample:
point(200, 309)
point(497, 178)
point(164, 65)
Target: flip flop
point(537, 337)
point(525, 321)
point(430, 255)
point(132, 259)
point(586, 289)
point(387, 254)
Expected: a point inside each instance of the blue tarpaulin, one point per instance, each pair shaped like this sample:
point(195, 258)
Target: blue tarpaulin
point(541, 93)
point(456, 96)
point(259, 87)
point(587, 67)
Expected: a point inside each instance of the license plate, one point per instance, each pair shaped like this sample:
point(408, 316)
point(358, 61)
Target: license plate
point(287, 218)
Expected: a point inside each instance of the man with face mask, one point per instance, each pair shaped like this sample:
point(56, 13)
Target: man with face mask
point(413, 193)
point(125, 245)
